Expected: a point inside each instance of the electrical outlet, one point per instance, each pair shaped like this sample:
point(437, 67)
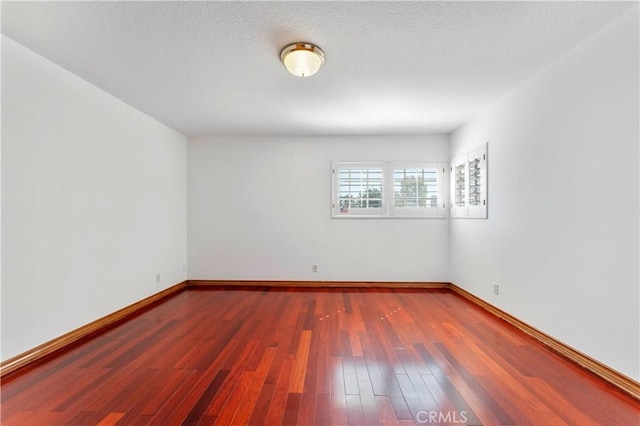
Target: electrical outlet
point(496, 289)
point(314, 268)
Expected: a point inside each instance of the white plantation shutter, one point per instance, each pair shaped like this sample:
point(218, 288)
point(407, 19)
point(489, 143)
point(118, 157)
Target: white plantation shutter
point(477, 166)
point(384, 189)
point(469, 184)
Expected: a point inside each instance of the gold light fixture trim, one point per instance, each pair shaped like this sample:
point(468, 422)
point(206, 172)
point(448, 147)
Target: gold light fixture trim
point(302, 59)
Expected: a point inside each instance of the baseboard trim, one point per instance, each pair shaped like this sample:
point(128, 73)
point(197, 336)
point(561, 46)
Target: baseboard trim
point(317, 284)
point(617, 379)
point(46, 349)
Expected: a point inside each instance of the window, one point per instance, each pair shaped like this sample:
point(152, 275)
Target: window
point(360, 189)
point(469, 184)
point(388, 189)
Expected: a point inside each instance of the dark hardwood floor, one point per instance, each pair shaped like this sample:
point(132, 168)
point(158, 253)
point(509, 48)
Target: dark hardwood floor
point(233, 356)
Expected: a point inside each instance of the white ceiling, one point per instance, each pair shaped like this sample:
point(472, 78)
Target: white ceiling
point(212, 68)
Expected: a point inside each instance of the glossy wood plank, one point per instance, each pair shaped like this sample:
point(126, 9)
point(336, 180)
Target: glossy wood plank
point(110, 419)
point(278, 403)
point(300, 368)
point(312, 356)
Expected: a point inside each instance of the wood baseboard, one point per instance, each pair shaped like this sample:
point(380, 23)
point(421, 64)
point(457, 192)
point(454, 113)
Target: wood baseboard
point(318, 284)
point(48, 348)
point(619, 380)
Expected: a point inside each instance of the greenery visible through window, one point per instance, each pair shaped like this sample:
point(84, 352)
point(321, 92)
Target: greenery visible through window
point(415, 188)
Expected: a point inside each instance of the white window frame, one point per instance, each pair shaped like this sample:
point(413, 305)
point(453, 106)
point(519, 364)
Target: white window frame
point(462, 186)
point(388, 210)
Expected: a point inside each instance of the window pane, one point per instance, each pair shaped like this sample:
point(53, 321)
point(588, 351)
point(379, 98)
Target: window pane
point(415, 188)
point(360, 188)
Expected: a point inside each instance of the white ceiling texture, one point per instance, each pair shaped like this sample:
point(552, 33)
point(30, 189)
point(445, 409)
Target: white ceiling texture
point(213, 68)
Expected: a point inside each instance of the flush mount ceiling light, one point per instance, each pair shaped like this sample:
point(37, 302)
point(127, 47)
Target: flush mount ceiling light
point(302, 59)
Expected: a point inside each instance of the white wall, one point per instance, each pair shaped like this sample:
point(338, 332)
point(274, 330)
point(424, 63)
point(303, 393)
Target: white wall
point(93, 202)
point(259, 208)
point(562, 235)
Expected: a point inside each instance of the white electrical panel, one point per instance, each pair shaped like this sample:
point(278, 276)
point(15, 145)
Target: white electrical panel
point(469, 184)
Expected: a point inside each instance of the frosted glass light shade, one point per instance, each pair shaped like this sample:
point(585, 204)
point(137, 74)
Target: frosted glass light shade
point(302, 59)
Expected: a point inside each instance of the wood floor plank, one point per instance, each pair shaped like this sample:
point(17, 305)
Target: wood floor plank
point(445, 404)
point(278, 403)
point(245, 407)
point(367, 397)
point(323, 409)
point(171, 401)
point(308, 397)
point(348, 367)
point(338, 393)
point(494, 406)
point(291, 410)
point(558, 404)
point(233, 403)
point(157, 395)
point(110, 419)
point(410, 395)
point(305, 356)
point(355, 415)
point(200, 408)
point(236, 364)
point(386, 416)
point(93, 396)
point(300, 368)
point(269, 387)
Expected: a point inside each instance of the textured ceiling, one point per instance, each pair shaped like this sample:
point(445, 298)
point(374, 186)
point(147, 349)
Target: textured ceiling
point(212, 68)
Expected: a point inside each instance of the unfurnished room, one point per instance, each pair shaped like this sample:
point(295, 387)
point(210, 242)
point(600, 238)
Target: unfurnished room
point(320, 213)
